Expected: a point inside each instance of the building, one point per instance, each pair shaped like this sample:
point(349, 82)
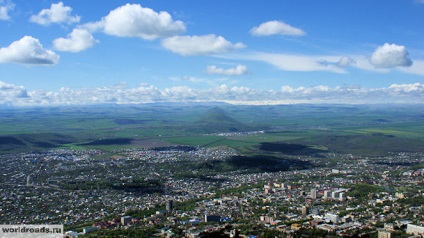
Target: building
point(125, 220)
point(330, 217)
point(384, 234)
point(399, 195)
point(87, 230)
point(327, 194)
point(415, 230)
point(335, 194)
point(305, 210)
point(266, 219)
point(28, 180)
point(212, 218)
point(389, 226)
point(313, 193)
point(71, 234)
point(295, 226)
point(342, 196)
point(169, 205)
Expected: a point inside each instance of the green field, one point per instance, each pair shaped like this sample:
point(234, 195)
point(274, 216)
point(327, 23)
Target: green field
point(362, 129)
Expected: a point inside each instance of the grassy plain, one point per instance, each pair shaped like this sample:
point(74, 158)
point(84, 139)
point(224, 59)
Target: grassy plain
point(361, 129)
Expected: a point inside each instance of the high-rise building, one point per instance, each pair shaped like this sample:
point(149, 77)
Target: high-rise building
point(169, 205)
point(305, 210)
point(28, 180)
point(342, 196)
point(125, 220)
point(313, 193)
point(335, 194)
point(327, 194)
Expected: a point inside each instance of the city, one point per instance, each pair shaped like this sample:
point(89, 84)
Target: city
point(91, 193)
point(204, 119)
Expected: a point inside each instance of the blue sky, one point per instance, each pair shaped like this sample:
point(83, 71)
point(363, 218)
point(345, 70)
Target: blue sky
point(243, 52)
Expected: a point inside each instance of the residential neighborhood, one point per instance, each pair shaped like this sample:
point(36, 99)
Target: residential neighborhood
point(341, 196)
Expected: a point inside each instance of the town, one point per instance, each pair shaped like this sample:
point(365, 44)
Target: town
point(95, 194)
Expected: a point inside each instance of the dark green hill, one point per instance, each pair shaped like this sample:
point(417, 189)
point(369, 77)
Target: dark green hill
point(217, 115)
point(217, 120)
point(32, 142)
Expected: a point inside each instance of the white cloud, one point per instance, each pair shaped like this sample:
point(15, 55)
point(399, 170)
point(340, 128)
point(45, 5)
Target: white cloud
point(363, 63)
point(276, 28)
point(416, 68)
point(122, 94)
point(179, 93)
point(328, 63)
point(28, 50)
point(407, 88)
point(58, 13)
point(304, 63)
point(77, 40)
point(199, 45)
point(345, 62)
point(10, 91)
point(133, 20)
point(11, 94)
point(238, 70)
point(4, 10)
point(390, 56)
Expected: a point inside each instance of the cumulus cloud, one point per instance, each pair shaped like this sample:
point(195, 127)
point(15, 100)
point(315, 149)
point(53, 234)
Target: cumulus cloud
point(390, 56)
point(11, 91)
point(28, 50)
point(407, 88)
point(133, 20)
point(58, 14)
point(199, 45)
point(5, 7)
point(10, 94)
point(78, 40)
point(276, 28)
point(179, 93)
point(238, 70)
point(144, 93)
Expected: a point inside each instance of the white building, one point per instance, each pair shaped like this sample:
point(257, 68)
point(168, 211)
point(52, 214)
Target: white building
point(327, 194)
point(342, 196)
point(415, 230)
point(313, 193)
point(334, 218)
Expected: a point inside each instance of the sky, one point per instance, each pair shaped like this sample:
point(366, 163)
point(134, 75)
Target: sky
point(241, 52)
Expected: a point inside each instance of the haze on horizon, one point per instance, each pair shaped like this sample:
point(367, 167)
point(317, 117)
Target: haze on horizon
point(118, 52)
